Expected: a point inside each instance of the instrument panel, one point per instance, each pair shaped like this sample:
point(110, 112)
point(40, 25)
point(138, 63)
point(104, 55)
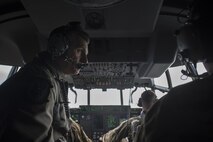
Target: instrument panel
point(97, 120)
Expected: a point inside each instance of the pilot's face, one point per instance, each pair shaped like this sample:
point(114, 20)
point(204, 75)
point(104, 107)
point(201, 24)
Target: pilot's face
point(77, 54)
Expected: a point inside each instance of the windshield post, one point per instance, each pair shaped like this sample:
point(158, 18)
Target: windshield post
point(121, 96)
point(88, 96)
point(168, 77)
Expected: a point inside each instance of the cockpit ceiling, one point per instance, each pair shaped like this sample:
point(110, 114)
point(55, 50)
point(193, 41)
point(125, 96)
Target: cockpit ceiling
point(100, 22)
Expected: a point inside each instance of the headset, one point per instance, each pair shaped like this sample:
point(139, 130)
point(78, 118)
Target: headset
point(59, 43)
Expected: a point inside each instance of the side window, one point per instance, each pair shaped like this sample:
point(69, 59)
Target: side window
point(177, 77)
point(4, 71)
point(161, 81)
point(200, 68)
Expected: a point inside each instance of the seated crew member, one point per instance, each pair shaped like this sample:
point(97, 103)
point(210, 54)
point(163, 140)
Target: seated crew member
point(186, 112)
point(33, 102)
point(129, 127)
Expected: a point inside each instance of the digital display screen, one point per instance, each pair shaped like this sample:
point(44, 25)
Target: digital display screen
point(111, 121)
point(98, 122)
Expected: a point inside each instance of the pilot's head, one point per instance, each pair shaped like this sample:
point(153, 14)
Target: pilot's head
point(196, 37)
point(147, 99)
point(68, 46)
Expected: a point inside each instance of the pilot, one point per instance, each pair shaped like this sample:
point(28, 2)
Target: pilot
point(186, 112)
point(127, 130)
point(33, 102)
point(147, 99)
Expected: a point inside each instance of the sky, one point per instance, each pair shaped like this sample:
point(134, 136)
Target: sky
point(112, 96)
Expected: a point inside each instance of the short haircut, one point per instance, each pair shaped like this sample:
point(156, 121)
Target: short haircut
point(59, 40)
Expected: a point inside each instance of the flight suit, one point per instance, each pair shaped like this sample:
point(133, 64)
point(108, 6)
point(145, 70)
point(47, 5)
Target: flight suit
point(126, 129)
point(33, 106)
